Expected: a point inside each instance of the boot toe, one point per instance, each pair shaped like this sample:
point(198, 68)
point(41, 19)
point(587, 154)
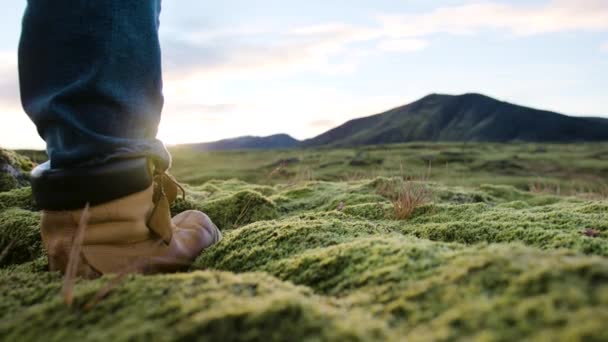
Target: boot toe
point(199, 222)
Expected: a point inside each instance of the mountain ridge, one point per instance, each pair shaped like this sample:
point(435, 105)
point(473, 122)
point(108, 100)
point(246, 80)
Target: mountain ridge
point(467, 117)
point(440, 117)
point(274, 141)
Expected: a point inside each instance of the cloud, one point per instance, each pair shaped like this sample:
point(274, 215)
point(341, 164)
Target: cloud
point(207, 59)
point(322, 123)
point(246, 51)
point(470, 18)
point(9, 82)
point(9, 92)
point(604, 47)
point(403, 45)
point(207, 109)
point(328, 48)
point(16, 130)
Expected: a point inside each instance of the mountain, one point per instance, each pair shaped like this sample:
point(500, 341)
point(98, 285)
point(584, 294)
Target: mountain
point(277, 141)
point(597, 119)
point(468, 117)
point(436, 117)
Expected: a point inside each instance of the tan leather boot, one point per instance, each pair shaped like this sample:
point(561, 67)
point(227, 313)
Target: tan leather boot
point(133, 234)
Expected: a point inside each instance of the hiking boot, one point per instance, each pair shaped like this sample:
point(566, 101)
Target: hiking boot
point(132, 234)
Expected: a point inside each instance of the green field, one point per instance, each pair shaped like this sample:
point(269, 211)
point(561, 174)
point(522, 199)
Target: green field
point(566, 169)
point(415, 242)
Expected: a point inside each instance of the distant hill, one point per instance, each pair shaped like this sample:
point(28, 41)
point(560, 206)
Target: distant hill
point(436, 117)
point(468, 117)
point(277, 141)
point(596, 119)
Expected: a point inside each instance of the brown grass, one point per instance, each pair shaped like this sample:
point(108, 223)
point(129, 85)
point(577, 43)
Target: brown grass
point(6, 250)
point(406, 197)
point(597, 192)
point(69, 279)
point(540, 187)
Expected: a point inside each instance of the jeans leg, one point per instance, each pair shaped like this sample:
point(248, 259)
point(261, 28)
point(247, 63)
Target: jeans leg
point(90, 79)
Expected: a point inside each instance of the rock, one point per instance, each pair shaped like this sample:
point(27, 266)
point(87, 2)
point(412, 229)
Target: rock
point(13, 170)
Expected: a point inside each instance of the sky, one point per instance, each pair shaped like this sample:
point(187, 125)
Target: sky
point(260, 67)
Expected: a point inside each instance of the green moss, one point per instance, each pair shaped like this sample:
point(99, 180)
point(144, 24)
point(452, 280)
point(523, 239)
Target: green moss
point(207, 187)
point(7, 181)
point(325, 196)
point(211, 306)
point(19, 236)
point(362, 263)
point(38, 265)
point(20, 162)
point(309, 196)
point(235, 185)
point(458, 269)
point(462, 196)
point(597, 207)
point(21, 290)
point(505, 193)
point(232, 211)
point(515, 205)
point(433, 291)
point(232, 186)
point(505, 294)
point(257, 244)
point(549, 226)
point(378, 211)
point(414, 283)
point(18, 198)
point(13, 169)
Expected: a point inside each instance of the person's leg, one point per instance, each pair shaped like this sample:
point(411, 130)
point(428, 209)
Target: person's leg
point(90, 73)
point(90, 76)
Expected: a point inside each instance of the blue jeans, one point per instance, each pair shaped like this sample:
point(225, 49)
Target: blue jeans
point(90, 79)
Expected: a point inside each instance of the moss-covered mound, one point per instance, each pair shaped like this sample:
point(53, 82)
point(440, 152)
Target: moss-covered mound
point(209, 306)
point(232, 210)
point(17, 198)
point(19, 236)
point(332, 261)
point(13, 170)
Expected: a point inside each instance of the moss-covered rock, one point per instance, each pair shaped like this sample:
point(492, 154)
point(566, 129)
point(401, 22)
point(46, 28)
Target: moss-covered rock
point(506, 193)
point(370, 211)
point(18, 198)
point(438, 291)
point(7, 180)
point(232, 211)
point(551, 226)
point(13, 170)
point(19, 236)
point(482, 263)
point(210, 306)
point(257, 244)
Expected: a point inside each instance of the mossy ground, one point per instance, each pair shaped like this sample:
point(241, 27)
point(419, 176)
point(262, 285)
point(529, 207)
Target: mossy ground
point(13, 169)
point(327, 260)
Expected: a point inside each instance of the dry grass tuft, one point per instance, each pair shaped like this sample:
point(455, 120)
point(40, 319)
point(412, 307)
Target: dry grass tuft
point(69, 279)
point(6, 250)
point(406, 197)
point(597, 192)
point(302, 176)
point(540, 187)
